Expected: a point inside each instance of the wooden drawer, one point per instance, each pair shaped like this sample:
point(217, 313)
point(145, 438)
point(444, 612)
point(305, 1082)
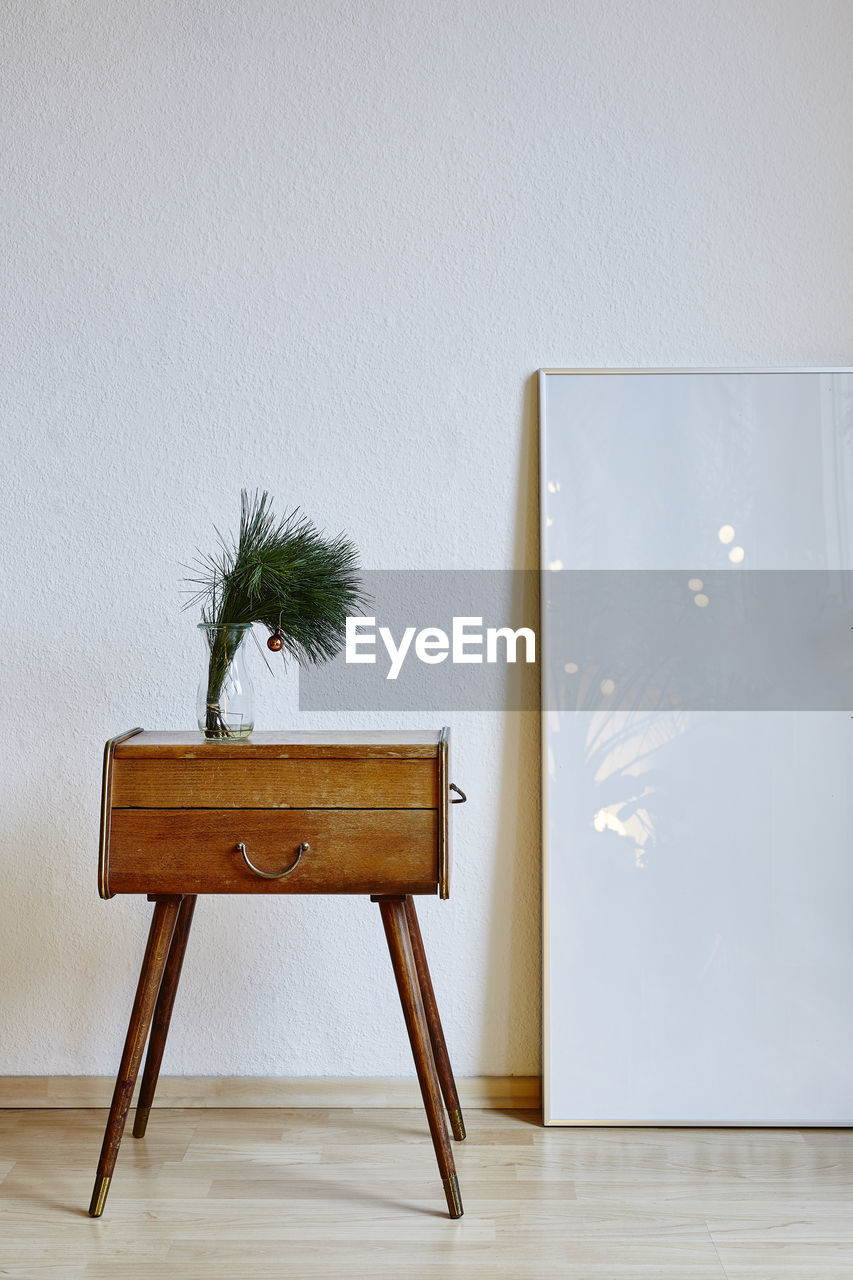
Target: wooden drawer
point(275, 784)
point(372, 807)
point(195, 851)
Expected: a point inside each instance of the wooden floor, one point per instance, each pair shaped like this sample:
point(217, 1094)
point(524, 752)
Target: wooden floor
point(254, 1194)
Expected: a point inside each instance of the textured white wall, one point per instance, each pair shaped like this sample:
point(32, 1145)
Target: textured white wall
point(321, 248)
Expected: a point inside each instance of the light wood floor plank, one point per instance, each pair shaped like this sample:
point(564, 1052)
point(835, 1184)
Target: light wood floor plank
point(323, 1193)
point(787, 1261)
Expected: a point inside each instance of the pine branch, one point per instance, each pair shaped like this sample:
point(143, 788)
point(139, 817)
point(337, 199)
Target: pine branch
point(283, 574)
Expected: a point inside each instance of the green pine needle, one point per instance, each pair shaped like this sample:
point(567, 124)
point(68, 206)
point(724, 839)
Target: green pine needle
point(283, 574)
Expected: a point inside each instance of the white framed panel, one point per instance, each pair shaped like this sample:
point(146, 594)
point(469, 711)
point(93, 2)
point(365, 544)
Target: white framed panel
point(698, 891)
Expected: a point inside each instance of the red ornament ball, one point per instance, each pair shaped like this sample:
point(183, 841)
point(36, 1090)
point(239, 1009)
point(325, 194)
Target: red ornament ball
point(276, 641)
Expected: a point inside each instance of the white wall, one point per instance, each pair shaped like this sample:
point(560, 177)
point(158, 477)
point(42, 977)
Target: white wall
point(321, 248)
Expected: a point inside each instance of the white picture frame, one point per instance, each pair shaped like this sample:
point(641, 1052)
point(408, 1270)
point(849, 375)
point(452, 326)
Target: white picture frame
point(703, 984)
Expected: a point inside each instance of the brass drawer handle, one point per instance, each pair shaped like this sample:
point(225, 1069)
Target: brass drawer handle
point(459, 792)
point(273, 875)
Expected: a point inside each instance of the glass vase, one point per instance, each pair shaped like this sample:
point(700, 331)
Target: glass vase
point(226, 700)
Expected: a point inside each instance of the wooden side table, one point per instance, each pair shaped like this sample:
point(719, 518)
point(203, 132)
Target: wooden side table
point(279, 813)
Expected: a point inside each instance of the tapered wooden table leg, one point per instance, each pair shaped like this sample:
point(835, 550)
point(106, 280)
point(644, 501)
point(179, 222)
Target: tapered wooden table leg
point(153, 964)
point(436, 1034)
point(163, 1016)
point(402, 958)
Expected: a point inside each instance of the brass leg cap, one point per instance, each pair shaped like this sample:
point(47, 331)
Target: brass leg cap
point(457, 1124)
point(454, 1199)
point(140, 1121)
point(99, 1197)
